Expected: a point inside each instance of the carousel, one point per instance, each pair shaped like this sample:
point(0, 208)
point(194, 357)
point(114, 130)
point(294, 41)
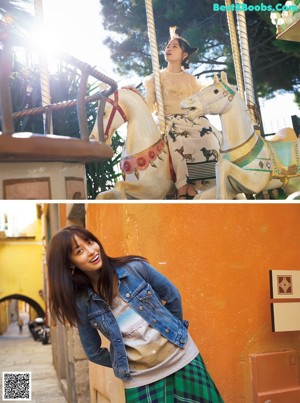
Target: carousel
point(246, 164)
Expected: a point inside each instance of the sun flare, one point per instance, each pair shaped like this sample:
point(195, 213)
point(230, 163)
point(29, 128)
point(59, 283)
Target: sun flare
point(73, 27)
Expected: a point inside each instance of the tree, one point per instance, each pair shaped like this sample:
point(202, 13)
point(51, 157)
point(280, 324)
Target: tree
point(275, 63)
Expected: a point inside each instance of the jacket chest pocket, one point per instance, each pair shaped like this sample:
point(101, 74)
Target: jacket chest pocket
point(148, 297)
point(102, 320)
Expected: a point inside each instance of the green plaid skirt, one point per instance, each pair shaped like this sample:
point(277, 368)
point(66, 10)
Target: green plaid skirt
point(191, 384)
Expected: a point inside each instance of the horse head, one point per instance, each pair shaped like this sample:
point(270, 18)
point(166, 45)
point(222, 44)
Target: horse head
point(110, 116)
point(124, 105)
point(211, 100)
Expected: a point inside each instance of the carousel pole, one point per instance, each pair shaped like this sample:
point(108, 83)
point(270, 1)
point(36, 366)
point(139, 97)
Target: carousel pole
point(235, 49)
point(246, 63)
point(155, 65)
point(44, 73)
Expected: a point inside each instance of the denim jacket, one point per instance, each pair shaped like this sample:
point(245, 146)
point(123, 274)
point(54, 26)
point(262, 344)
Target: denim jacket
point(144, 289)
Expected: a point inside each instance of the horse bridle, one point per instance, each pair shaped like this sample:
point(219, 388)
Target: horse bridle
point(101, 108)
point(228, 88)
point(229, 93)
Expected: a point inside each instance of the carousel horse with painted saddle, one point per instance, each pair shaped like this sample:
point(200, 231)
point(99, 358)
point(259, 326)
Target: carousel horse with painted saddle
point(247, 162)
point(145, 160)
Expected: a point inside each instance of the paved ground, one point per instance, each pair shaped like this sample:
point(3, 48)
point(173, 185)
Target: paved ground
point(19, 352)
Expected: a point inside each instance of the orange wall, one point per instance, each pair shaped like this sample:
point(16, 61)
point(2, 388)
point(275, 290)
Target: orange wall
point(219, 256)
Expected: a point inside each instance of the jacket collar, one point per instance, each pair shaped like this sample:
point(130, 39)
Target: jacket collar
point(120, 272)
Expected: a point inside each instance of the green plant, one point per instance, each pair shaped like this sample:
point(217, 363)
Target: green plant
point(102, 176)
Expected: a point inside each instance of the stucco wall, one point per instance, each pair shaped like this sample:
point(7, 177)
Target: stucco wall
point(219, 256)
point(21, 266)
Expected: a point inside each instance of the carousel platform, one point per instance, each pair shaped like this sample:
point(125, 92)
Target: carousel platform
point(35, 166)
point(21, 147)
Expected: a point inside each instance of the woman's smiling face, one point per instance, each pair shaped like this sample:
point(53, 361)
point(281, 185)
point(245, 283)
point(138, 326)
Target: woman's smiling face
point(173, 51)
point(86, 255)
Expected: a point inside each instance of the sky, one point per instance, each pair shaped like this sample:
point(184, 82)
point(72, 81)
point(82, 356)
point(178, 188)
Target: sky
point(76, 25)
point(16, 221)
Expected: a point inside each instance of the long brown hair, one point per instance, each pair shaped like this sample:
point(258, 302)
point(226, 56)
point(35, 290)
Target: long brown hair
point(185, 46)
point(63, 286)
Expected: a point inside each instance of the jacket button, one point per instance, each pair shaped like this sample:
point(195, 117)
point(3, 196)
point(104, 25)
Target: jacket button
point(167, 330)
point(181, 341)
point(141, 308)
point(95, 324)
point(127, 295)
point(149, 292)
point(154, 320)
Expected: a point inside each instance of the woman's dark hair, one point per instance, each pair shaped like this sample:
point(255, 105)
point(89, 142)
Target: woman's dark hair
point(185, 46)
point(63, 286)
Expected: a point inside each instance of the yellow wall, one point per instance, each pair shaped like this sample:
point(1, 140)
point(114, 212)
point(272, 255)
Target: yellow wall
point(21, 269)
point(4, 316)
point(219, 256)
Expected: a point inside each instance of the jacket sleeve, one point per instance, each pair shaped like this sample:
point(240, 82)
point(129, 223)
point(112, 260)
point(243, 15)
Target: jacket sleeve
point(91, 343)
point(164, 289)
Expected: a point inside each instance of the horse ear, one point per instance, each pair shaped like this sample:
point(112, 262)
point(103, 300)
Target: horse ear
point(224, 77)
point(216, 79)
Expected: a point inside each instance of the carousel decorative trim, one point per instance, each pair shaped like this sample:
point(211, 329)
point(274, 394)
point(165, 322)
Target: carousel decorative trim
point(141, 161)
point(246, 150)
point(289, 15)
point(284, 159)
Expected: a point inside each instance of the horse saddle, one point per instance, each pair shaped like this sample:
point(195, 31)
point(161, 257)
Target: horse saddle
point(284, 158)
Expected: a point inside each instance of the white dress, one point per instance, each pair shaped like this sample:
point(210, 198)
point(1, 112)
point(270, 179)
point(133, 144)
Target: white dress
point(194, 146)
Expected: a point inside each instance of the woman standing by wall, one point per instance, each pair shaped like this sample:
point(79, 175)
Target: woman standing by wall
point(150, 347)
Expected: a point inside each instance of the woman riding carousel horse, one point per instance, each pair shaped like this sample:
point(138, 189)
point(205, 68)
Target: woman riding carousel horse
point(186, 139)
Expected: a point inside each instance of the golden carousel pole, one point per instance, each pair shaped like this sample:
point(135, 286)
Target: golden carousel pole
point(235, 49)
point(155, 65)
point(246, 63)
point(44, 72)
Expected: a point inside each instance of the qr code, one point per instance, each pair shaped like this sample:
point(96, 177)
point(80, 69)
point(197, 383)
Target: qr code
point(16, 386)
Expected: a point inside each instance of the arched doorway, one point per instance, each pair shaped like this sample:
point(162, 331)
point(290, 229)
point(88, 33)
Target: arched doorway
point(36, 306)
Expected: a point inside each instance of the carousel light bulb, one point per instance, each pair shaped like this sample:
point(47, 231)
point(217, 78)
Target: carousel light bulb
point(285, 13)
point(280, 21)
point(289, 3)
point(274, 15)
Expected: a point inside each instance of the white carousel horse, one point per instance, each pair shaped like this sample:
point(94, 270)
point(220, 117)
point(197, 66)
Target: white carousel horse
point(145, 161)
point(247, 162)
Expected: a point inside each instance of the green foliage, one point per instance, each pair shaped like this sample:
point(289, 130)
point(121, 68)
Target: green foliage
point(297, 98)
point(64, 86)
point(275, 63)
point(102, 176)
point(26, 94)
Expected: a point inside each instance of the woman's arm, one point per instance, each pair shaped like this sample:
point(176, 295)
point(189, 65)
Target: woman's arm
point(165, 290)
point(150, 97)
point(91, 343)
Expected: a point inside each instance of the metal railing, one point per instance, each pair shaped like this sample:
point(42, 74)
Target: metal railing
point(9, 40)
